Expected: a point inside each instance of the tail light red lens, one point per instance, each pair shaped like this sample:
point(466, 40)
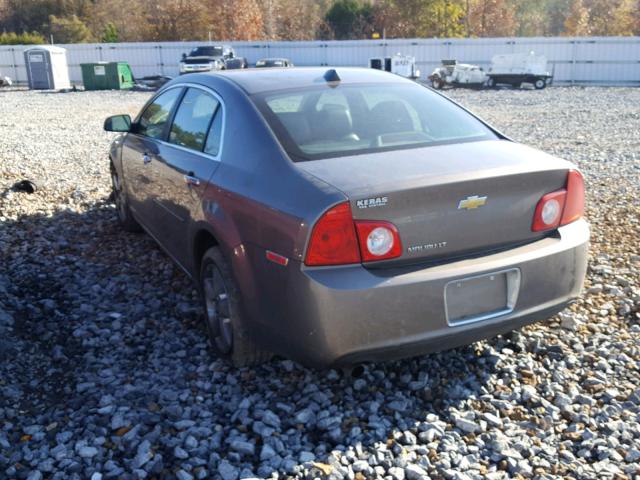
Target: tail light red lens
point(549, 211)
point(574, 206)
point(562, 206)
point(333, 239)
point(378, 240)
point(336, 239)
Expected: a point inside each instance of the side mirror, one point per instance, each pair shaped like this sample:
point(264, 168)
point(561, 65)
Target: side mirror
point(118, 123)
point(184, 55)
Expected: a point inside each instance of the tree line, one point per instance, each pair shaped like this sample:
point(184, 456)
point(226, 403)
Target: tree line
point(77, 21)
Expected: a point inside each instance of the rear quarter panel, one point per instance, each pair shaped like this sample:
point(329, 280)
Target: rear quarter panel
point(257, 200)
point(257, 194)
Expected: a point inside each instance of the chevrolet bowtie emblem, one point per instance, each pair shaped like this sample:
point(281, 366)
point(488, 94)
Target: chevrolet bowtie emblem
point(472, 202)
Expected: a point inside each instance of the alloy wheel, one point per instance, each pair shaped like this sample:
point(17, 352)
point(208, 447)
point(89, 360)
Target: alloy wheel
point(118, 197)
point(217, 309)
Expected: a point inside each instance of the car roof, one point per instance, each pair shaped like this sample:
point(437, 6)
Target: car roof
point(260, 80)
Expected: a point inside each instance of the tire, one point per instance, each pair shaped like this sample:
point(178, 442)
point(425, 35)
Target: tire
point(491, 83)
point(228, 335)
point(119, 194)
point(437, 83)
point(539, 83)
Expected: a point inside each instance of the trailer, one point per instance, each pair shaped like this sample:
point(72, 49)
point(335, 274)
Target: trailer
point(518, 68)
point(456, 74)
point(512, 69)
point(403, 65)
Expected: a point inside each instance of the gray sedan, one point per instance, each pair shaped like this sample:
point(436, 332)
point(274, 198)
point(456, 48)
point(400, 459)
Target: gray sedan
point(347, 215)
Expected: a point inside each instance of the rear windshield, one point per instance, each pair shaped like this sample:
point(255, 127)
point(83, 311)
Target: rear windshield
point(324, 122)
point(206, 52)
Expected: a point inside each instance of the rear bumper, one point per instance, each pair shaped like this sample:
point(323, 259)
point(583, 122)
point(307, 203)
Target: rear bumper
point(350, 314)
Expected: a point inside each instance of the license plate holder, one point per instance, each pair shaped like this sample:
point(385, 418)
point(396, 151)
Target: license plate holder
point(481, 297)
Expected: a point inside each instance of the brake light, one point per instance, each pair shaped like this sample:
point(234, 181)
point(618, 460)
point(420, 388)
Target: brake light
point(333, 239)
point(378, 240)
point(336, 239)
point(549, 211)
point(574, 206)
point(562, 206)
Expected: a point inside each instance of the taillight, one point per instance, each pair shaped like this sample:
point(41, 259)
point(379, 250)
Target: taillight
point(333, 239)
point(562, 206)
point(336, 239)
point(378, 240)
point(549, 211)
point(574, 206)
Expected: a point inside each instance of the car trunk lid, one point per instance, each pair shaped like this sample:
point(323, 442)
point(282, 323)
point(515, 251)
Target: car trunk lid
point(450, 200)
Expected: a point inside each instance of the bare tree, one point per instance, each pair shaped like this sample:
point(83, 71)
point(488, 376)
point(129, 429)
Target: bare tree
point(577, 22)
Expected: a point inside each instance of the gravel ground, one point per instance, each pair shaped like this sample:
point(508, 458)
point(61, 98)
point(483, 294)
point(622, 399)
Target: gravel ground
point(105, 373)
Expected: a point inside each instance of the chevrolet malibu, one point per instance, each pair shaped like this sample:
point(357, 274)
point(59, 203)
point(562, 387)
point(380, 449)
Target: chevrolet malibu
point(347, 215)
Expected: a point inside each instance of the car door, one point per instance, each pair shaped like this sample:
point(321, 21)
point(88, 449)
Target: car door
point(139, 154)
point(186, 162)
point(38, 65)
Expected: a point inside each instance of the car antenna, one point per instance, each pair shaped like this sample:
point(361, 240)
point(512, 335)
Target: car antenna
point(332, 77)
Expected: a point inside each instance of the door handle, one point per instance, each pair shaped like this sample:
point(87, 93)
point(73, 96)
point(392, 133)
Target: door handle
point(146, 158)
point(191, 180)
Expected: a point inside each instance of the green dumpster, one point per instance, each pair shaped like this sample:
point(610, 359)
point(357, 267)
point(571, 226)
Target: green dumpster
point(106, 76)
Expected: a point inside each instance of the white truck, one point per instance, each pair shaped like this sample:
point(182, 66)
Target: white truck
point(506, 69)
point(403, 65)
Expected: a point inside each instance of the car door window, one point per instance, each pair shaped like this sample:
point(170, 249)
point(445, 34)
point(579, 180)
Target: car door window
point(193, 119)
point(214, 138)
point(155, 117)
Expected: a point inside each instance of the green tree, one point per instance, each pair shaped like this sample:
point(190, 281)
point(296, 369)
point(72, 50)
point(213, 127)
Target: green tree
point(532, 18)
point(69, 30)
point(110, 33)
point(32, 15)
point(25, 38)
point(347, 18)
point(424, 18)
point(129, 19)
point(448, 16)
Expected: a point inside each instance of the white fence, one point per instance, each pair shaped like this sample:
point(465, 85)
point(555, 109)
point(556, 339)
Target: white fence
point(580, 60)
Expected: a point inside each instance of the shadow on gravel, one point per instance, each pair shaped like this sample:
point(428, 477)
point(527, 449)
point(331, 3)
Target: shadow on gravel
point(102, 345)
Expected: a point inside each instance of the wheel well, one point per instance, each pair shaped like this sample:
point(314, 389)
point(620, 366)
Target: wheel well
point(202, 242)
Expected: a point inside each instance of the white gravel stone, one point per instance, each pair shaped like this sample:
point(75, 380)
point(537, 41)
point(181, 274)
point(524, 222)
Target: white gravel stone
point(415, 472)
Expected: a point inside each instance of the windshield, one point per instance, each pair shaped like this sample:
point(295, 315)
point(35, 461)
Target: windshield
point(323, 122)
point(206, 52)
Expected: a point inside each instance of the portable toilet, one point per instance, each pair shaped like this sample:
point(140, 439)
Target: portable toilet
point(47, 67)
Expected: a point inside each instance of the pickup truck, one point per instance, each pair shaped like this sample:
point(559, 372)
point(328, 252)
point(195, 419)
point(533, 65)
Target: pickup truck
point(206, 59)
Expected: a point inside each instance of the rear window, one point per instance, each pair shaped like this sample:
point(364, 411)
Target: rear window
point(323, 122)
point(206, 52)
